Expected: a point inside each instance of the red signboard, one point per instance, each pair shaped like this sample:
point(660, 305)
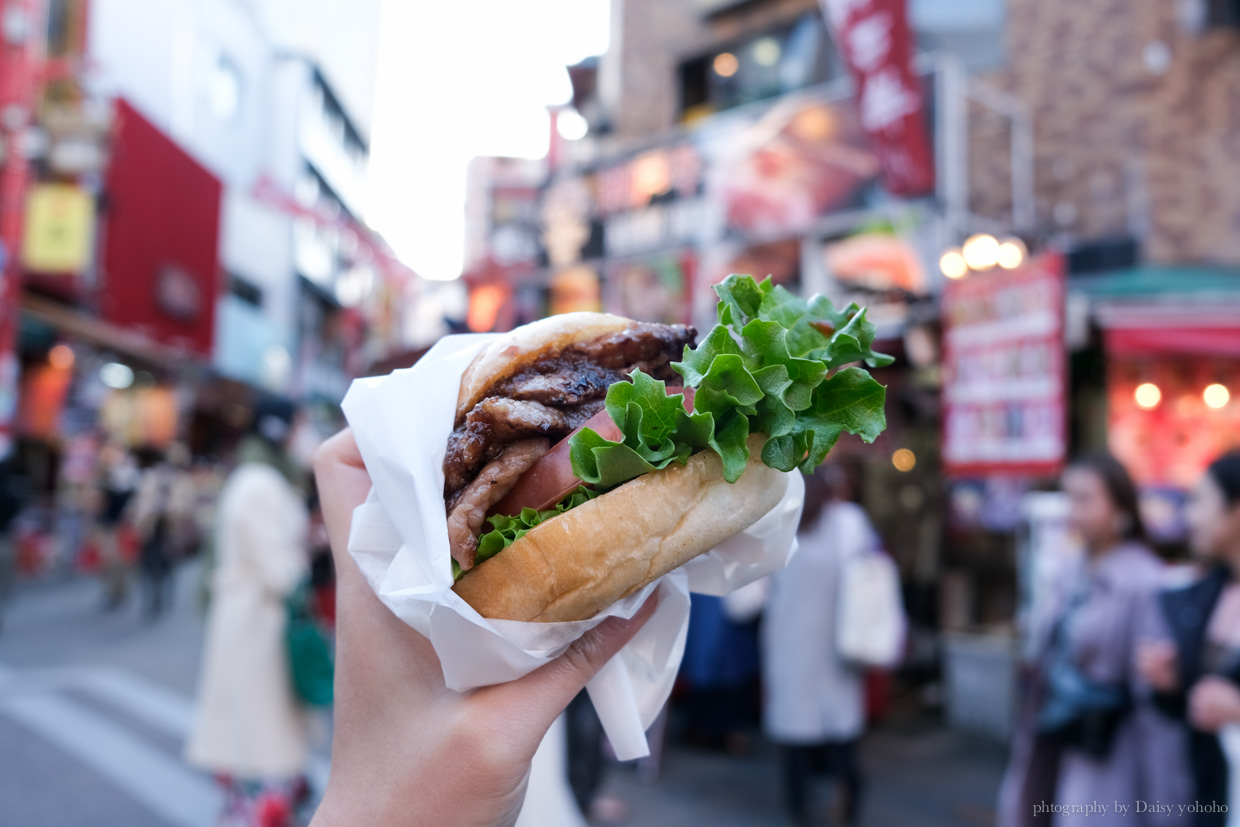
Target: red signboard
point(1003, 371)
point(874, 38)
point(161, 268)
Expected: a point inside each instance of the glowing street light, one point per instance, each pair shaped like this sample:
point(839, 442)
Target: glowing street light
point(1216, 395)
point(981, 251)
point(1147, 395)
point(953, 265)
point(726, 64)
point(60, 357)
point(1011, 253)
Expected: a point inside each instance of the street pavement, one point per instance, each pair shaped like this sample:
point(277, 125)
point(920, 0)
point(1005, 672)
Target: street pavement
point(95, 707)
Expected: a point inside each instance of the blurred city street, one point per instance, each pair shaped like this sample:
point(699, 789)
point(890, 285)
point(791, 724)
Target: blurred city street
point(893, 344)
point(95, 707)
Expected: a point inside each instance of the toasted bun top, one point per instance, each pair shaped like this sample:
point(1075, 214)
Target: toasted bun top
point(509, 354)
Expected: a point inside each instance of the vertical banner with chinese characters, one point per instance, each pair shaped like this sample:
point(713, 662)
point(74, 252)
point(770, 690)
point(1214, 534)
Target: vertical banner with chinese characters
point(20, 62)
point(874, 38)
point(1003, 371)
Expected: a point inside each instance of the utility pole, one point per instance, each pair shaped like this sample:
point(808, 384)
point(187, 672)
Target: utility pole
point(21, 36)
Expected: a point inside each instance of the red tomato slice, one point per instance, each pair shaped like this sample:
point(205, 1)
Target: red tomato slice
point(551, 479)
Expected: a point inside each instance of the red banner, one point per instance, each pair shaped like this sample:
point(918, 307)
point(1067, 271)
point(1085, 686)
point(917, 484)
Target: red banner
point(161, 267)
point(874, 38)
point(1003, 371)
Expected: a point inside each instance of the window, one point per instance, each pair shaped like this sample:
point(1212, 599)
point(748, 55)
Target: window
point(335, 121)
point(66, 28)
point(971, 30)
point(246, 290)
point(759, 67)
point(223, 88)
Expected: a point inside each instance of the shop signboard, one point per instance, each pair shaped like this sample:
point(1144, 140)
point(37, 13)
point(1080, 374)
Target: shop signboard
point(60, 229)
point(1003, 371)
point(783, 171)
point(160, 264)
point(877, 44)
point(752, 175)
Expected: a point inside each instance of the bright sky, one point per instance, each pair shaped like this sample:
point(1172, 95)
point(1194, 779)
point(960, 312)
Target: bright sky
point(457, 80)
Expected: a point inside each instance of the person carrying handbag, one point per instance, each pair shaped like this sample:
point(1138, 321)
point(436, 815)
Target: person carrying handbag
point(251, 727)
point(814, 702)
point(1088, 732)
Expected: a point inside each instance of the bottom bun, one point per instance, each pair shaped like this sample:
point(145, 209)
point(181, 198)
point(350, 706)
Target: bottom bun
point(579, 563)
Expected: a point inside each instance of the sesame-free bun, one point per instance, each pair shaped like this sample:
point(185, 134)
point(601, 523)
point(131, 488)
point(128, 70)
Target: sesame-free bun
point(580, 562)
point(509, 354)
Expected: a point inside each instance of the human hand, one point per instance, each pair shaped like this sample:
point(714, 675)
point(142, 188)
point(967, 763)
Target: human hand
point(1212, 703)
point(1158, 664)
point(407, 750)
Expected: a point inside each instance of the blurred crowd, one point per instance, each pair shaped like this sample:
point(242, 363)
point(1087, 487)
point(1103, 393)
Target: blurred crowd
point(1129, 689)
point(131, 517)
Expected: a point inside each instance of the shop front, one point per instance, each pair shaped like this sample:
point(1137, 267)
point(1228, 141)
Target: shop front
point(1171, 341)
point(1004, 436)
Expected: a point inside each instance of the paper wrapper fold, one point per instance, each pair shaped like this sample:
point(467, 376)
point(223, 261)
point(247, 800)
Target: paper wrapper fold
point(399, 539)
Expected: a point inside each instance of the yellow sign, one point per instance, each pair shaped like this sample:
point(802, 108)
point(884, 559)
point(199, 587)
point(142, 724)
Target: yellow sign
point(60, 229)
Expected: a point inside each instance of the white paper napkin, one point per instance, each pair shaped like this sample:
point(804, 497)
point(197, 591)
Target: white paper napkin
point(399, 539)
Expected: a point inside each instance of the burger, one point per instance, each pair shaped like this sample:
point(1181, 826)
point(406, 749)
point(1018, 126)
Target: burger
point(592, 454)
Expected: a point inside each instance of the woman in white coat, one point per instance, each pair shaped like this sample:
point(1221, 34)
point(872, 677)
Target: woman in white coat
point(814, 705)
point(250, 730)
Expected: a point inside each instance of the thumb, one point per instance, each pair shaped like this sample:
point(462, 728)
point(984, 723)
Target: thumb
point(544, 693)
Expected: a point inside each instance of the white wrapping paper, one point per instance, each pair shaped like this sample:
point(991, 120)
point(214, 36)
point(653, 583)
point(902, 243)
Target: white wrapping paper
point(399, 539)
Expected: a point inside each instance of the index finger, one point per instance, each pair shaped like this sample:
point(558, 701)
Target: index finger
point(343, 485)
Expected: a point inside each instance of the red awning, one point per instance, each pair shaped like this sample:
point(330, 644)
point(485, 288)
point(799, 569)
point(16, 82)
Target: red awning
point(1188, 341)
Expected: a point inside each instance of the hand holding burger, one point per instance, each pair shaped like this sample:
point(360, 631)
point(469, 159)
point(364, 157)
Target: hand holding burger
point(406, 749)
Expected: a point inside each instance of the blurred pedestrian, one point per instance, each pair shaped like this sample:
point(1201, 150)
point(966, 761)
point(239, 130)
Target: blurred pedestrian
point(162, 514)
point(118, 481)
point(14, 488)
point(250, 729)
point(1196, 672)
point(1088, 730)
point(322, 568)
point(77, 496)
point(720, 675)
point(814, 699)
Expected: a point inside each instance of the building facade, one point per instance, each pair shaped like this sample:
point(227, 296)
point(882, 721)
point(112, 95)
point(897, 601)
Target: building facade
point(209, 166)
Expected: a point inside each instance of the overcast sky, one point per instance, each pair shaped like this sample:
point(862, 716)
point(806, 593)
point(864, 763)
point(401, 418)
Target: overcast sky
point(458, 80)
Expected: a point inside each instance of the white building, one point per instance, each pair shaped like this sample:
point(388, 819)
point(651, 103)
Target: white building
point(274, 97)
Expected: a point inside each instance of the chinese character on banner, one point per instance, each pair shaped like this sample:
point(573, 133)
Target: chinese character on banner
point(874, 38)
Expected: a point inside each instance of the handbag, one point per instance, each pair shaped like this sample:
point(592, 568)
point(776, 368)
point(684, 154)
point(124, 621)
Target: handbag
point(870, 621)
point(309, 654)
point(1080, 712)
point(1075, 710)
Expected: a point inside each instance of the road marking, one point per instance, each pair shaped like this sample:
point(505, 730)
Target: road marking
point(162, 708)
point(180, 796)
point(145, 700)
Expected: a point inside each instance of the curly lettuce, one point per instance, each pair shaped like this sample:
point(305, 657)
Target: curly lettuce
point(507, 530)
point(775, 364)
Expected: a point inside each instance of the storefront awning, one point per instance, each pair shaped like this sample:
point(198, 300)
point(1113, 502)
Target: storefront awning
point(1156, 281)
point(1187, 341)
point(1167, 310)
point(71, 322)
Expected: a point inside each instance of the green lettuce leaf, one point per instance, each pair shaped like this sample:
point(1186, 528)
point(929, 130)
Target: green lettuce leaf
point(775, 364)
point(507, 530)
